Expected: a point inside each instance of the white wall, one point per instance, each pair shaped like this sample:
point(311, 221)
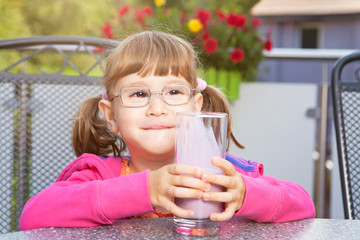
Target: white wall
point(270, 119)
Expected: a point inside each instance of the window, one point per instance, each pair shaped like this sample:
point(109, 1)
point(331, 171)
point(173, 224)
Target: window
point(310, 35)
point(309, 38)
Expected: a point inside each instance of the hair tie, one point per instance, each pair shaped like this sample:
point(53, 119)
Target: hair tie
point(104, 95)
point(201, 85)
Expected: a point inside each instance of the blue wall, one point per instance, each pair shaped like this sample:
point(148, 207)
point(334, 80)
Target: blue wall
point(336, 32)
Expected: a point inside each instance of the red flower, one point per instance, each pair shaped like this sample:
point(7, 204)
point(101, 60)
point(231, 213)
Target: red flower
point(235, 20)
point(107, 31)
point(237, 55)
point(147, 10)
point(210, 45)
point(205, 36)
point(255, 22)
point(204, 16)
point(231, 20)
point(268, 45)
point(221, 16)
point(98, 50)
point(122, 11)
point(240, 21)
point(139, 15)
point(182, 17)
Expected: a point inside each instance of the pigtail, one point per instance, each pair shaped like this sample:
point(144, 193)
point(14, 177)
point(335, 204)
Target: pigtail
point(215, 101)
point(91, 133)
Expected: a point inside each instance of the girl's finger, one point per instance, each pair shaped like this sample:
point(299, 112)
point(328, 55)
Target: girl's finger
point(190, 182)
point(222, 180)
point(178, 169)
point(184, 192)
point(225, 165)
point(219, 196)
point(177, 211)
point(227, 214)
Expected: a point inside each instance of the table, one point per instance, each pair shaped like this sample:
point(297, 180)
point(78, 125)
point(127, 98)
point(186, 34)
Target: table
point(236, 228)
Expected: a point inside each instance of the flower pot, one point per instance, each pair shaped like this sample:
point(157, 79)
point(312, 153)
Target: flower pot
point(226, 80)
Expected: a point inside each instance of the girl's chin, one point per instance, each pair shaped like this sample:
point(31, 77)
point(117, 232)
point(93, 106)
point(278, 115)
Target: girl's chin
point(160, 149)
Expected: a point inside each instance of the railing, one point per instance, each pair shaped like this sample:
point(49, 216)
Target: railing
point(35, 105)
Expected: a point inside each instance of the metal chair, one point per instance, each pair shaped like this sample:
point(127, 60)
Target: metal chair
point(345, 86)
point(43, 81)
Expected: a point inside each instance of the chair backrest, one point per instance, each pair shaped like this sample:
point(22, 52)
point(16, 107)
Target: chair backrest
point(346, 108)
point(43, 81)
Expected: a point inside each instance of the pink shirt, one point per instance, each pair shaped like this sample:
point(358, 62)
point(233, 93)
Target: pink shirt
point(91, 192)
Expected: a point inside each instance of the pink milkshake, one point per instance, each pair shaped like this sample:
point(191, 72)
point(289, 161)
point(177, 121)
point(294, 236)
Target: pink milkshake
point(200, 137)
point(202, 209)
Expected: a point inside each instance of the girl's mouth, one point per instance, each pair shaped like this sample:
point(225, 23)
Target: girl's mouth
point(158, 127)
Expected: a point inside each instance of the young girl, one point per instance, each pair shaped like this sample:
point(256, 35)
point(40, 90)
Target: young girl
point(150, 77)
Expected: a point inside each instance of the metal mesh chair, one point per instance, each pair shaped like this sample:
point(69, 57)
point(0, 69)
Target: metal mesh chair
point(43, 81)
point(346, 106)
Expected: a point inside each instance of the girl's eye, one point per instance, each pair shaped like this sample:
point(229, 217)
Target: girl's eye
point(139, 94)
point(175, 92)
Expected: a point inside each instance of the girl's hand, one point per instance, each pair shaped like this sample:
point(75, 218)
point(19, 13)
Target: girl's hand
point(176, 180)
point(235, 189)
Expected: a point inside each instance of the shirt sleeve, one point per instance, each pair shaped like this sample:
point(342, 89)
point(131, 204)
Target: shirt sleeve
point(268, 199)
point(87, 198)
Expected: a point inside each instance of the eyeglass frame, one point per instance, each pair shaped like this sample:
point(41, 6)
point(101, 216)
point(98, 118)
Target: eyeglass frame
point(192, 91)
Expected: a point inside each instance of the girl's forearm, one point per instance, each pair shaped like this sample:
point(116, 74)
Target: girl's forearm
point(268, 199)
point(82, 204)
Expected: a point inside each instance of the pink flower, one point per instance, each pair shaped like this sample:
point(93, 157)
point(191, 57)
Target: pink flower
point(210, 45)
point(237, 55)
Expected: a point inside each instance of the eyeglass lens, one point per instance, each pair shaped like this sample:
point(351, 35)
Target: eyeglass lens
point(175, 94)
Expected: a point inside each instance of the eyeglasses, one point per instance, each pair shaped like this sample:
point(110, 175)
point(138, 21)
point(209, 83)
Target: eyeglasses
point(174, 94)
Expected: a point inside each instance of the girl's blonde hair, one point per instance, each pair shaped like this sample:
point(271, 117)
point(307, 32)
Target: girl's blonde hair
point(145, 53)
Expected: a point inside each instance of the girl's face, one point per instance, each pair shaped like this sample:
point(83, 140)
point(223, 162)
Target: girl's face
point(148, 131)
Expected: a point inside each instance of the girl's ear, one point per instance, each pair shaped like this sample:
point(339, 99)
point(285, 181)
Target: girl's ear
point(108, 113)
point(198, 99)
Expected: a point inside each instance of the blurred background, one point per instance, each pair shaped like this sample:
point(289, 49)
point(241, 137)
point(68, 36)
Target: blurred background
point(20, 18)
point(272, 58)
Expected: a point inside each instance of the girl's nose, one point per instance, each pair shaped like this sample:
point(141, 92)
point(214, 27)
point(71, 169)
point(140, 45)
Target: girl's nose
point(156, 106)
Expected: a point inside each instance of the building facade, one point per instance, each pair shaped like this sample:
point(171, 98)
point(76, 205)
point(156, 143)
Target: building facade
point(307, 24)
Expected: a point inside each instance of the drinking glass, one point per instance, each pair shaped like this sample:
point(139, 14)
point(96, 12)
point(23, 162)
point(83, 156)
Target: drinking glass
point(200, 137)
